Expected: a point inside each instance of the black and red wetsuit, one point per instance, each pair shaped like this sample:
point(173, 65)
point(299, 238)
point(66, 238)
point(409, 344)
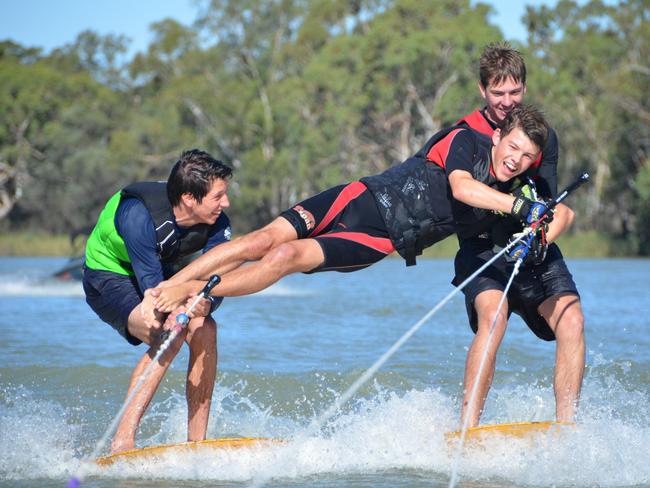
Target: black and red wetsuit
point(345, 221)
point(406, 208)
point(543, 170)
point(534, 284)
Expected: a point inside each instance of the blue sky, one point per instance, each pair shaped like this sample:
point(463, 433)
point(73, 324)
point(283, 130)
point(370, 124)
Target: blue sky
point(53, 23)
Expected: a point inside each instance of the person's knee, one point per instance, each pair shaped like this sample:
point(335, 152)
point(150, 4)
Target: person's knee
point(202, 331)
point(571, 327)
point(282, 257)
point(488, 316)
point(260, 242)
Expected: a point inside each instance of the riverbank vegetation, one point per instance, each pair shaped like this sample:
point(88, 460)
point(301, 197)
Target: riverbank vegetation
point(577, 245)
point(300, 96)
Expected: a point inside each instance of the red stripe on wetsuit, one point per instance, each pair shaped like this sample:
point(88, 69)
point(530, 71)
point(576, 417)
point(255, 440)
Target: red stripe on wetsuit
point(349, 193)
point(381, 244)
point(440, 150)
point(477, 121)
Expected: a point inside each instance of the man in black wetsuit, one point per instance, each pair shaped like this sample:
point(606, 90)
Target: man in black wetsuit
point(145, 233)
point(406, 208)
point(543, 293)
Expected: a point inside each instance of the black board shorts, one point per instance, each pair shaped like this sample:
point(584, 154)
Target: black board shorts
point(112, 297)
point(346, 223)
point(530, 288)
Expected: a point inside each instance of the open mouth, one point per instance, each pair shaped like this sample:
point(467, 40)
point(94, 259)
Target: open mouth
point(510, 166)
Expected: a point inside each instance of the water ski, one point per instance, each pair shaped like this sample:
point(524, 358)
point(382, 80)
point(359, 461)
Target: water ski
point(516, 429)
point(206, 445)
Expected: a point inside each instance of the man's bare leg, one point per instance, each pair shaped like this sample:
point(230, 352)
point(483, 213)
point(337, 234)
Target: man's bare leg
point(230, 255)
point(227, 257)
point(201, 374)
point(289, 257)
point(486, 304)
point(125, 434)
point(564, 315)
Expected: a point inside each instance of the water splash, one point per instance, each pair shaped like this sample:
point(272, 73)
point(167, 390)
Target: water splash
point(29, 287)
point(384, 432)
point(37, 436)
point(282, 290)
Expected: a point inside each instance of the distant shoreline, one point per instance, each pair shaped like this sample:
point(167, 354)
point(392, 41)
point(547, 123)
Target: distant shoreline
point(578, 245)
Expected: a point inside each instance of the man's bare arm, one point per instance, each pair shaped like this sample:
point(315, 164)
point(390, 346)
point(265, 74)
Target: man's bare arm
point(472, 192)
point(562, 219)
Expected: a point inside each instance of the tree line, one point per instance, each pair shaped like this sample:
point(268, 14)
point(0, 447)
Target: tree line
point(301, 95)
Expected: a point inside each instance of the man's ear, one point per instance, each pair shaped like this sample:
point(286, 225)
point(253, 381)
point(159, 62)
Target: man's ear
point(188, 200)
point(482, 89)
point(496, 136)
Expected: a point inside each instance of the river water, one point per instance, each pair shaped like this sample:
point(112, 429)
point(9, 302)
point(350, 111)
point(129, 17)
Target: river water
point(284, 356)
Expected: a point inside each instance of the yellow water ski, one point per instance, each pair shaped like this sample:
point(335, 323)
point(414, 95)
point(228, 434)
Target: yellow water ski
point(222, 443)
point(516, 429)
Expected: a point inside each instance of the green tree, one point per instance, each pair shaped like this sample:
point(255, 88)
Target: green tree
point(642, 207)
point(54, 136)
point(302, 95)
point(591, 75)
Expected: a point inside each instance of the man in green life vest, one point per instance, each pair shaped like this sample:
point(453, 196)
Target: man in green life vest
point(145, 233)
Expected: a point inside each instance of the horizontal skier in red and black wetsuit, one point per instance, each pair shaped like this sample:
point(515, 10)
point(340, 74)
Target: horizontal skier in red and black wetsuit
point(407, 208)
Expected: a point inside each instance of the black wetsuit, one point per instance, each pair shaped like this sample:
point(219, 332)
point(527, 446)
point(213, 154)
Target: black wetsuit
point(534, 283)
point(360, 223)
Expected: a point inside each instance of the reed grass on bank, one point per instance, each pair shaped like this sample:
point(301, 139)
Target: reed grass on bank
point(579, 245)
point(36, 244)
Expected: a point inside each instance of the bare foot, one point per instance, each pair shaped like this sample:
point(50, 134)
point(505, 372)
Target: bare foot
point(121, 445)
point(170, 298)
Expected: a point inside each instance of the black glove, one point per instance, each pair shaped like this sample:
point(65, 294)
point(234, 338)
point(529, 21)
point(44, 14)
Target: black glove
point(528, 211)
point(520, 249)
point(532, 247)
point(538, 248)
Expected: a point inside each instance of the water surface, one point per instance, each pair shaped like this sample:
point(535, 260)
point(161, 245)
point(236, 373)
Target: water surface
point(284, 356)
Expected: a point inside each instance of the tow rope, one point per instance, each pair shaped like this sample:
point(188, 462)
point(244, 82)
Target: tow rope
point(527, 239)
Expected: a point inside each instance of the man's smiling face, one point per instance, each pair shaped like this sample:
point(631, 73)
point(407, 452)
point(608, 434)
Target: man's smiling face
point(502, 98)
point(512, 153)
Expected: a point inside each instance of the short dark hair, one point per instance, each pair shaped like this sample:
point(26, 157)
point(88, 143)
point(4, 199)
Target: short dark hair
point(499, 62)
point(194, 173)
point(530, 120)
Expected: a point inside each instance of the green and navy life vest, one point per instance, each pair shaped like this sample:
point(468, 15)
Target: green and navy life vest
point(106, 250)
